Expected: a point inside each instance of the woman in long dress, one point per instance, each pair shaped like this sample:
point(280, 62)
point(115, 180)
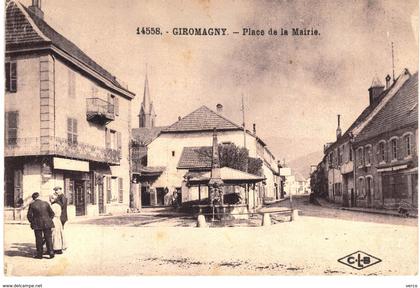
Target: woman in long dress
point(57, 231)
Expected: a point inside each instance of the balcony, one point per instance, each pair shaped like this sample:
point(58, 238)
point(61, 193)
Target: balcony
point(99, 111)
point(56, 146)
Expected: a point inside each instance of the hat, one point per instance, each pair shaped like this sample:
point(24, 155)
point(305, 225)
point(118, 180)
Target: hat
point(57, 188)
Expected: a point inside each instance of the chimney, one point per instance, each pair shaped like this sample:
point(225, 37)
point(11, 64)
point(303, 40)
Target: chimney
point(338, 131)
point(179, 118)
point(254, 128)
point(36, 8)
point(388, 81)
point(219, 108)
point(375, 90)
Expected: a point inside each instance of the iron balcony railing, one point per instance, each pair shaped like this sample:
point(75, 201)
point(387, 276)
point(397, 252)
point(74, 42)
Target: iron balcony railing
point(99, 110)
point(60, 147)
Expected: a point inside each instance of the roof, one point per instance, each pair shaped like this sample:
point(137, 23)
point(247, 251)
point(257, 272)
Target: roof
point(26, 30)
point(143, 136)
point(196, 158)
point(202, 119)
point(400, 111)
point(228, 175)
point(366, 113)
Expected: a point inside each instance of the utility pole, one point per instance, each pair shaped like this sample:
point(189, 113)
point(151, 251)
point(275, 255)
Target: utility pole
point(243, 119)
point(393, 66)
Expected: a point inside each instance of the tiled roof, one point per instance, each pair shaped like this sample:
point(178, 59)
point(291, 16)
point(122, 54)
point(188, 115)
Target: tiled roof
point(400, 111)
point(362, 117)
point(21, 33)
point(196, 158)
point(144, 136)
point(202, 119)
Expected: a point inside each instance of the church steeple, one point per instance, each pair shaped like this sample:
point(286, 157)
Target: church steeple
point(147, 113)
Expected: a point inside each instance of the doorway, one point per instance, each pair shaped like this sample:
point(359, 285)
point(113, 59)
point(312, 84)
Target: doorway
point(101, 202)
point(80, 197)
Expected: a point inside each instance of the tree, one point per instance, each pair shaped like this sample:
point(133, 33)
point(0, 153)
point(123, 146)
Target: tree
point(235, 157)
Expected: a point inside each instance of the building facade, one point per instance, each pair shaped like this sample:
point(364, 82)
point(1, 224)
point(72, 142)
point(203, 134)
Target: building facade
point(196, 130)
point(374, 164)
point(67, 121)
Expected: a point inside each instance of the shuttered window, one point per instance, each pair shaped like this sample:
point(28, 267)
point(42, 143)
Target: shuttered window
point(116, 106)
point(72, 131)
point(119, 145)
point(107, 138)
point(120, 190)
point(12, 122)
point(11, 76)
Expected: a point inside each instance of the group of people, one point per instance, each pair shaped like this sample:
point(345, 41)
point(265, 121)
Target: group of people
point(47, 220)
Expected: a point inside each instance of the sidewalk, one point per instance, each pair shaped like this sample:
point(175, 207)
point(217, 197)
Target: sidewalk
point(325, 203)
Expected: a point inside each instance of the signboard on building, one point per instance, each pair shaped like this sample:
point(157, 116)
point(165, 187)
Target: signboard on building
point(70, 164)
point(285, 171)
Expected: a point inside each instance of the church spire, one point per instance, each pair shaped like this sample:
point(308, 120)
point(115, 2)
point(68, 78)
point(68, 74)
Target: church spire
point(147, 113)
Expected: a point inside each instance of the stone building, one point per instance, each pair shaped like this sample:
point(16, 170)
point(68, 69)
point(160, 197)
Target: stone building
point(167, 151)
point(374, 163)
point(68, 121)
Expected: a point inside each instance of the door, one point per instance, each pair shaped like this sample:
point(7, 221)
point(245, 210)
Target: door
point(145, 196)
point(80, 198)
point(101, 203)
point(369, 190)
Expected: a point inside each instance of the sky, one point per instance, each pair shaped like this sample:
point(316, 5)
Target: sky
point(293, 87)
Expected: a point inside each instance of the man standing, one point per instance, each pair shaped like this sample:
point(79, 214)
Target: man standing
point(62, 201)
point(40, 216)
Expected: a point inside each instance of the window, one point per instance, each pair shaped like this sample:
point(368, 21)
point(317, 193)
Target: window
point(72, 131)
point(381, 152)
point(361, 189)
point(407, 145)
point(173, 153)
point(395, 185)
point(11, 120)
point(116, 106)
point(11, 76)
point(112, 139)
point(111, 102)
point(340, 155)
point(350, 153)
point(394, 149)
point(71, 89)
point(119, 145)
point(368, 155)
point(120, 190)
point(360, 156)
point(69, 190)
point(330, 159)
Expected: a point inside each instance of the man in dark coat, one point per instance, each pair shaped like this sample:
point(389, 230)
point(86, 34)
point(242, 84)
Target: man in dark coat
point(40, 216)
point(62, 201)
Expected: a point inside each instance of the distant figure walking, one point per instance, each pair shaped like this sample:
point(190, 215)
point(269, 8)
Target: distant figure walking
point(62, 201)
point(40, 216)
point(58, 241)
